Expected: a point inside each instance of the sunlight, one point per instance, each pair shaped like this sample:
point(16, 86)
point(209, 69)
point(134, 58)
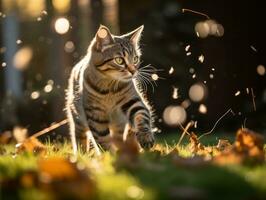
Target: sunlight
point(61, 25)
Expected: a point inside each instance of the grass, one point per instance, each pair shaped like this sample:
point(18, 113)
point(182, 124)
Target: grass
point(152, 176)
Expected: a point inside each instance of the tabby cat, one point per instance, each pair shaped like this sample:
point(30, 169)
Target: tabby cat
point(103, 95)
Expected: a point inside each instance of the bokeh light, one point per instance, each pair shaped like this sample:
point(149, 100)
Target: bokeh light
point(155, 77)
point(135, 192)
point(186, 103)
point(61, 6)
point(202, 29)
point(261, 70)
point(69, 46)
point(174, 115)
point(35, 95)
point(48, 88)
point(203, 109)
point(61, 25)
point(18, 41)
point(22, 58)
point(209, 27)
point(197, 92)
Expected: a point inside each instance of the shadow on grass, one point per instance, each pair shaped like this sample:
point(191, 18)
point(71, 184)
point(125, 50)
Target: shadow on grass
point(170, 181)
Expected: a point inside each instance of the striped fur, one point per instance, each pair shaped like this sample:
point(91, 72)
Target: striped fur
point(102, 96)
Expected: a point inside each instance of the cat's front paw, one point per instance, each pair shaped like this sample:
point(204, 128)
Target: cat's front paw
point(146, 140)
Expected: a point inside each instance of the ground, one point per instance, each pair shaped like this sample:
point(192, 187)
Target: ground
point(169, 171)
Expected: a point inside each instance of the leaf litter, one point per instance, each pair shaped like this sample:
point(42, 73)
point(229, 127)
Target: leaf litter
point(61, 177)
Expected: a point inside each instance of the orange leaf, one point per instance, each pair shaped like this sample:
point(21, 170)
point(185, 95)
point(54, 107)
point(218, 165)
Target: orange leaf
point(32, 145)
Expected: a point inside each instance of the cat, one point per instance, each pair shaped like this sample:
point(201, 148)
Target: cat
point(103, 94)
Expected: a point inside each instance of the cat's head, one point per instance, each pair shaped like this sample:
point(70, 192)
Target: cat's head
point(117, 57)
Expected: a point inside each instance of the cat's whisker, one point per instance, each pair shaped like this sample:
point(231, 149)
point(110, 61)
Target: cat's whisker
point(143, 82)
point(150, 67)
point(146, 78)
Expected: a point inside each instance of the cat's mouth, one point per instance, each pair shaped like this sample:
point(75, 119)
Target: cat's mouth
point(127, 75)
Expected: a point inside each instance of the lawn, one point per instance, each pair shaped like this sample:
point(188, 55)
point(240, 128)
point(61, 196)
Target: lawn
point(168, 171)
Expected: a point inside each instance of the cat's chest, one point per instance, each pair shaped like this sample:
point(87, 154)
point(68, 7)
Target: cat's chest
point(107, 102)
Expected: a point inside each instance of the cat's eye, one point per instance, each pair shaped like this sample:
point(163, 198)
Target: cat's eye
point(136, 59)
point(119, 60)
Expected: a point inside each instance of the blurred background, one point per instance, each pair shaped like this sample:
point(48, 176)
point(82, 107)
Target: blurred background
point(209, 62)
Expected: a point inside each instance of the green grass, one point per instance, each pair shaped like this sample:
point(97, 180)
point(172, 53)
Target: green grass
point(153, 176)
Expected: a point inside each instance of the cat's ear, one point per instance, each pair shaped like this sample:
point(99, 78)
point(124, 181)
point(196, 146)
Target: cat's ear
point(136, 35)
point(103, 37)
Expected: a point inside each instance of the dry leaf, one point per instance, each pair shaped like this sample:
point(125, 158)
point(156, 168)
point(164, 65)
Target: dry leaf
point(32, 145)
point(64, 179)
point(57, 168)
point(248, 148)
point(194, 145)
point(127, 150)
point(223, 145)
point(5, 137)
point(250, 143)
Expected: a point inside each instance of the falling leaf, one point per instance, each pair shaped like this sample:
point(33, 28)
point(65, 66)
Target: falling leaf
point(201, 58)
point(187, 47)
point(171, 70)
point(253, 48)
point(175, 93)
point(237, 93)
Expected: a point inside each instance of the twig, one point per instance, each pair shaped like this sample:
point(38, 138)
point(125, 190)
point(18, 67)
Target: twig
point(196, 12)
point(48, 129)
point(209, 132)
point(253, 99)
point(185, 131)
point(244, 123)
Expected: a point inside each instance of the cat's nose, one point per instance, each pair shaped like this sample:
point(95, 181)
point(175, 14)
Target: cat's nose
point(131, 69)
